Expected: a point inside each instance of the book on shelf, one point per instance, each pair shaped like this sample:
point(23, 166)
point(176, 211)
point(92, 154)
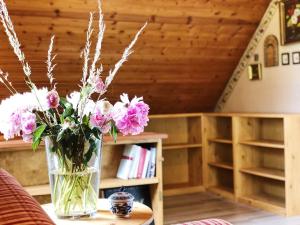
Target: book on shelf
point(126, 161)
point(152, 164)
point(137, 162)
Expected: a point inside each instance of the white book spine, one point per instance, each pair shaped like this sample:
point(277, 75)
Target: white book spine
point(152, 164)
point(126, 162)
point(146, 164)
point(135, 163)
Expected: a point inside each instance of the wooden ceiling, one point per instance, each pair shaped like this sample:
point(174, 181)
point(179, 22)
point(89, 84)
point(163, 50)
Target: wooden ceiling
point(181, 63)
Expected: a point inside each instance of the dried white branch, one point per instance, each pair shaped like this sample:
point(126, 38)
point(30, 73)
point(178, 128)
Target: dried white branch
point(5, 81)
point(93, 71)
point(86, 50)
point(12, 37)
point(49, 62)
point(128, 51)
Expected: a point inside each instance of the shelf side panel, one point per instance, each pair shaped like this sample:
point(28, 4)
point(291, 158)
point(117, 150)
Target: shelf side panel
point(292, 164)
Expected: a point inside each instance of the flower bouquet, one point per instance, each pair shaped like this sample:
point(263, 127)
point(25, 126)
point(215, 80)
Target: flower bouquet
point(72, 127)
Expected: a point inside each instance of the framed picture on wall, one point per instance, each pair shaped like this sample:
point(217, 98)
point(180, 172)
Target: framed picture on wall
point(285, 59)
point(255, 71)
point(296, 57)
point(290, 21)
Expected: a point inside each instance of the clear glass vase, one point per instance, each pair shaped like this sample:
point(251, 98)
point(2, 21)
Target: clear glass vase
point(74, 174)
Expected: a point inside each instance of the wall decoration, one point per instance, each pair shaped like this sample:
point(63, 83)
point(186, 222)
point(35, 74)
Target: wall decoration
point(290, 21)
point(296, 57)
point(255, 71)
point(271, 51)
point(285, 59)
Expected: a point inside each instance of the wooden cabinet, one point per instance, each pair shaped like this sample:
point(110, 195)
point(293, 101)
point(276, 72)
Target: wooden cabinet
point(182, 151)
point(111, 155)
point(218, 154)
point(254, 158)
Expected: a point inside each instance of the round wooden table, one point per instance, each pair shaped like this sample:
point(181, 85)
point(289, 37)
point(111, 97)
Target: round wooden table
point(141, 215)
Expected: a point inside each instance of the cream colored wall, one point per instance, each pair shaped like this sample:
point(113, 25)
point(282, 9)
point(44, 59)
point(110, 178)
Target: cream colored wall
point(278, 91)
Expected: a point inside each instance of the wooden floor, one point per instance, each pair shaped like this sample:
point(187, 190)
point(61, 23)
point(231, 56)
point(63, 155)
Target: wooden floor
point(205, 205)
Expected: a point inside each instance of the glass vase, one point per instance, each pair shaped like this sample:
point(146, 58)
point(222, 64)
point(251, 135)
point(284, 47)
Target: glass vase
point(74, 182)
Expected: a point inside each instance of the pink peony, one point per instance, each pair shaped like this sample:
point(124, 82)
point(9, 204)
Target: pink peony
point(131, 117)
point(27, 137)
point(28, 122)
point(15, 122)
point(53, 99)
point(100, 121)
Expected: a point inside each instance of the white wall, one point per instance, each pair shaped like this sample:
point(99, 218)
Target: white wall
point(278, 91)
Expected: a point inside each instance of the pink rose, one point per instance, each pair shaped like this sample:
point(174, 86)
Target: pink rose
point(52, 99)
point(28, 122)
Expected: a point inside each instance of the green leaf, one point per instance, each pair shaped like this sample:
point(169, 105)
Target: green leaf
point(68, 111)
point(96, 132)
point(63, 102)
point(37, 136)
point(85, 120)
point(60, 135)
point(114, 132)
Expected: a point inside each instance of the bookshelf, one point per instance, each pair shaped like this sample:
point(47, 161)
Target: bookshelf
point(218, 154)
point(254, 159)
point(182, 151)
point(111, 155)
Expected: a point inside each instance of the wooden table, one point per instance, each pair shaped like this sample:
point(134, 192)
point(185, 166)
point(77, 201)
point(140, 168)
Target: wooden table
point(141, 215)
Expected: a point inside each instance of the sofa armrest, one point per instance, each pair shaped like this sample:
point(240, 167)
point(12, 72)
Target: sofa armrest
point(17, 206)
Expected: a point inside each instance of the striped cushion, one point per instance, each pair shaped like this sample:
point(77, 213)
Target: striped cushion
point(17, 206)
point(207, 222)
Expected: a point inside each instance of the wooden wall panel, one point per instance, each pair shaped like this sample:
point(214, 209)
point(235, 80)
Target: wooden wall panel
point(181, 62)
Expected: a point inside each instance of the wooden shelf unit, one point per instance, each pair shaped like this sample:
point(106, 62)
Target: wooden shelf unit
point(265, 159)
point(218, 154)
point(182, 151)
point(111, 156)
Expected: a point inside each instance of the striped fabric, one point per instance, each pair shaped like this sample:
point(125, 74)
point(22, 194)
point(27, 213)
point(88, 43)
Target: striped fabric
point(17, 207)
point(207, 222)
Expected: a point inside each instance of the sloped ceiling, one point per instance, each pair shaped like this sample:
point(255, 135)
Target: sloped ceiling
point(181, 63)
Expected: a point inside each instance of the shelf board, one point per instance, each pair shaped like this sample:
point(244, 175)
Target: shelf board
point(264, 143)
point(223, 191)
point(115, 182)
point(275, 174)
point(181, 146)
point(223, 165)
point(104, 184)
point(220, 140)
point(178, 190)
point(146, 137)
point(266, 201)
